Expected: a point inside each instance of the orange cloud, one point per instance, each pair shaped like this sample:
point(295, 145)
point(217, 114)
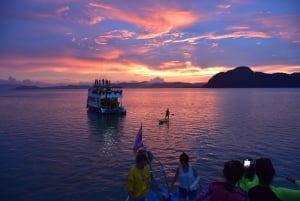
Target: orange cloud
point(116, 34)
point(213, 36)
point(284, 26)
point(95, 20)
point(243, 34)
point(282, 68)
point(85, 70)
point(155, 21)
point(111, 55)
point(99, 5)
point(62, 11)
point(171, 65)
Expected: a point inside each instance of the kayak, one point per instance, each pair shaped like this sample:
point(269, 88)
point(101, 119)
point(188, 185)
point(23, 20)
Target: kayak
point(164, 120)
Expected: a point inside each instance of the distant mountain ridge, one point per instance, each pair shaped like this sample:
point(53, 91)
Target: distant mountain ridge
point(160, 85)
point(24, 87)
point(123, 84)
point(244, 77)
point(240, 77)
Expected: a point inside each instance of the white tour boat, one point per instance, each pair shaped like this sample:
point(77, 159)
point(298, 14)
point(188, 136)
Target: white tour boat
point(105, 98)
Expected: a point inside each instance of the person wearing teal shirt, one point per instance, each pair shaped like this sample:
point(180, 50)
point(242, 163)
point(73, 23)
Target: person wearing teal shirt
point(265, 190)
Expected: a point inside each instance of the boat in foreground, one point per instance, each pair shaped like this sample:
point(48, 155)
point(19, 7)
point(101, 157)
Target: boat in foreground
point(105, 97)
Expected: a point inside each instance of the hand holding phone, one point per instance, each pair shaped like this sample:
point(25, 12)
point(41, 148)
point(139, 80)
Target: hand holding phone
point(247, 163)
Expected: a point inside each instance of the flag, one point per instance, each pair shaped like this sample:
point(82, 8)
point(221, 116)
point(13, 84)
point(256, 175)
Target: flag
point(138, 140)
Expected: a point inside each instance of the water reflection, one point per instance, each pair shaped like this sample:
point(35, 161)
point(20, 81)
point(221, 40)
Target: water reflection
point(105, 130)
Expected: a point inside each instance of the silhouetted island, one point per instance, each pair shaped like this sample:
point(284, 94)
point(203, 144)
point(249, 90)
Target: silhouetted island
point(244, 77)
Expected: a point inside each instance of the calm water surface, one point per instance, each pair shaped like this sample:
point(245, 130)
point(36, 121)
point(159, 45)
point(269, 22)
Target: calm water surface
point(52, 148)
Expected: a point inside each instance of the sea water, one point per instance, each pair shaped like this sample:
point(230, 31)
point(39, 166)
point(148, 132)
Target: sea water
point(52, 148)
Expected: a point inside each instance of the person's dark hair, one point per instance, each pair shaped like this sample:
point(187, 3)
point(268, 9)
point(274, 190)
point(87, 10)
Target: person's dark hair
point(233, 170)
point(264, 170)
point(184, 158)
point(147, 153)
point(140, 157)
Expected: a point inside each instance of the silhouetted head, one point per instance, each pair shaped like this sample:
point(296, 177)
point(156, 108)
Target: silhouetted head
point(233, 170)
point(141, 160)
point(147, 153)
point(184, 159)
point(264, 170)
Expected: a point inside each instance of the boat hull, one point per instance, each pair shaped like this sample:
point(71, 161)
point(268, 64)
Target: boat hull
point(119, 110)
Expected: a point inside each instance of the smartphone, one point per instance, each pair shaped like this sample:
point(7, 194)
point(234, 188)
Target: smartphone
point(247, 163)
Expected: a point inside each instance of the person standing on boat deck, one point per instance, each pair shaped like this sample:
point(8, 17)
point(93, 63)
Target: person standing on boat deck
point(138, 179)
point(167, 114)
point(265, 190)
point(226, 191)
point(188, 179)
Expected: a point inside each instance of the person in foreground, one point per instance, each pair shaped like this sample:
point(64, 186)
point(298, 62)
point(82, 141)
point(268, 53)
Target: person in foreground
point(265, 190)
point(188, 179)
point(226, 191)
point(138, 179)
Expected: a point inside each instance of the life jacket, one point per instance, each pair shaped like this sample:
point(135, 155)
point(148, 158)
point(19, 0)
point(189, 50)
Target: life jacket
point(224, 192)
point(262, 193)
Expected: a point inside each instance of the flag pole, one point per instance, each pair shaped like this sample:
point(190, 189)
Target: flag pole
point(138, 143)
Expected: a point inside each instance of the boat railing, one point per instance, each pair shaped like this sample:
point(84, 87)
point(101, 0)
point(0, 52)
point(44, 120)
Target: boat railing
point(102, 92)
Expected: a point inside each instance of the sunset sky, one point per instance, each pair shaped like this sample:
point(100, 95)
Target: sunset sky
point(70, 41)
